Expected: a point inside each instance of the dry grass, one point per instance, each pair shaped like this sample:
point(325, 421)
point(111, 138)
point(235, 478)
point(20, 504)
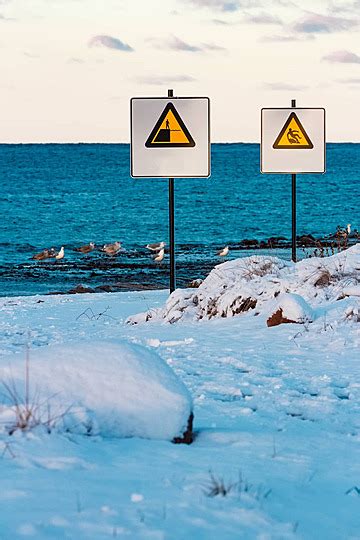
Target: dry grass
point(217, 487)
point(29, 409)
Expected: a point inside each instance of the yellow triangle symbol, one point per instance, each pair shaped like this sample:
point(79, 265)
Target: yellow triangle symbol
point(293, 135)
point(169, 131)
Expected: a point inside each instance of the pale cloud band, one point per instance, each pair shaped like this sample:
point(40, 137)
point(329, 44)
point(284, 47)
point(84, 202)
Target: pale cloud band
point(176, 44)
point(110, 43)
point(342, 57)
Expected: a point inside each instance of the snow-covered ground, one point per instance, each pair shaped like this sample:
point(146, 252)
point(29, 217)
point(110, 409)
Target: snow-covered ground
point(277, 415)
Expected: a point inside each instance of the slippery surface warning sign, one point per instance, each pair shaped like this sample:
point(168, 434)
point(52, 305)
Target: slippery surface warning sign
point(170, 137)
point(170, 131)
point(292, 135)
point(293, 140)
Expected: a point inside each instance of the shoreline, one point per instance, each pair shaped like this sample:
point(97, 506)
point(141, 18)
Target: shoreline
point(135, 270)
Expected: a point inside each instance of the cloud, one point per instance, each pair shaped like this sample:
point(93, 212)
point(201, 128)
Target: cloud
point(4, 18)
point(224, 5)
point(110, 43)
point(176, 44)
point(75, 60)
point(339, 6)
point(221, 22)
point(212, 47)
point(285, 86)
point(314, 23)
point(166, 79)
point(30, 55)
point(220, 5)
point(285, 38)
point(262, 18)
point(342, 57)
point(353, 80)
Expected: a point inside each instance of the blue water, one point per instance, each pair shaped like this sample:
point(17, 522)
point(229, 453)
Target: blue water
point(54, 195)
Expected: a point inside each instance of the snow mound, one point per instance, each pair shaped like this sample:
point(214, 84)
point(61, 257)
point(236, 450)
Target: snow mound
point(290, 307)
point(250, 283)
point(111, 388)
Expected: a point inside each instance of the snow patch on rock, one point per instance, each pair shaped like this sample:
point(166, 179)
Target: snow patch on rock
point(112, 388)
point(250, 285)
point(289, 308)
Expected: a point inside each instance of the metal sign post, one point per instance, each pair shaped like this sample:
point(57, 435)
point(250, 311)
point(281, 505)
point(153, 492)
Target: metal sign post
point(170, 138)
point(172, 227)
point(293, 207)
point(293, 141)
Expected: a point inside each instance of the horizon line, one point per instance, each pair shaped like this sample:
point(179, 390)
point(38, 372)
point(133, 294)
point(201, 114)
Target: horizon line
point(128, 142)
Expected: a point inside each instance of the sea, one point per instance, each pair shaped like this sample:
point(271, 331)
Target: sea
point(55, 195)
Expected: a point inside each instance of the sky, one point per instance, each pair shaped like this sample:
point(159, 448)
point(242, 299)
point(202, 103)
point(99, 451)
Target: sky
point(70, 67)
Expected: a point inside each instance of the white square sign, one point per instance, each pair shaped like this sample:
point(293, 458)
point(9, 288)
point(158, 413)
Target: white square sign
point(293, 140)
point(170, 137)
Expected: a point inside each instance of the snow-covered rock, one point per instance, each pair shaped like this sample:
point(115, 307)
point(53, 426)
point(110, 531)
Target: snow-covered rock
point(250, 283)
point(112, 388)
point(289, 308)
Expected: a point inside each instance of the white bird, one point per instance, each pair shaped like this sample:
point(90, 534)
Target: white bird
point(348, 228)
point(159, 257)
point(61, 254)
point(112, 249)
point(156, 247)
point(224, 251)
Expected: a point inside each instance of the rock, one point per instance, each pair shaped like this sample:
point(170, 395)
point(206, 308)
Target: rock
point(80, 289)
point(188, 436)
point(306, 240)
point(194, 284)
point(289, 308)
point(278, 318)
point(323, 280)
point(109, 388)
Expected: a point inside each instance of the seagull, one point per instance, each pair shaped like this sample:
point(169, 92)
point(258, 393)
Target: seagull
point(343, 233)
point(112, 249)
point(61, 254)
point(224, 251)
point(156, 247)
point(86, 249)
point(159, 257)
point(45, 254)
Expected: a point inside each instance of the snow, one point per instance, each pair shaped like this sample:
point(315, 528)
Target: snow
point(251, 284)
point(293, 307)
point(111, 388)
point(276, 415)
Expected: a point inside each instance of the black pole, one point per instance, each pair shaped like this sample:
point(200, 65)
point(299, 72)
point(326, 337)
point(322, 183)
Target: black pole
point(293, 208)
point(172, 226)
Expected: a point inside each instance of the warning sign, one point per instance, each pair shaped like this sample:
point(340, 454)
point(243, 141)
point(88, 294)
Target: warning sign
point(293, 128)
point(169, 131)
point(293, 135)
point(170, 137)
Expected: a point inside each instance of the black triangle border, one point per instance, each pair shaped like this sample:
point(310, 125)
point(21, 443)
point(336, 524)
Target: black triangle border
point(169, 107)
point(286, 125)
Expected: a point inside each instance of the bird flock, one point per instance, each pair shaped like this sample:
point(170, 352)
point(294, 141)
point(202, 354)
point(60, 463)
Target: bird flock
point(157, 251)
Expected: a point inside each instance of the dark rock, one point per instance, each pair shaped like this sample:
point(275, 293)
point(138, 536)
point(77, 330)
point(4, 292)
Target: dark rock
point(278, 318)
point(306, 240)
point(188, 436)
point(250, 243)
point(323, 280)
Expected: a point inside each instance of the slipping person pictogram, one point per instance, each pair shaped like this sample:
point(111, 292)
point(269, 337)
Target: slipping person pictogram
point(293, 135)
